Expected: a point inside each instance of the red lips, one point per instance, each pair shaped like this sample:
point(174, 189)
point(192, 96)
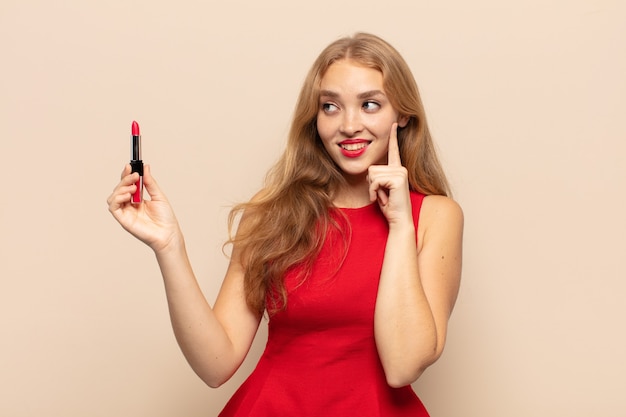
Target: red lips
point(353, 148)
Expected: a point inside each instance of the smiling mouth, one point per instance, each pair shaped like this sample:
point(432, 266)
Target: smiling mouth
point(353, 146)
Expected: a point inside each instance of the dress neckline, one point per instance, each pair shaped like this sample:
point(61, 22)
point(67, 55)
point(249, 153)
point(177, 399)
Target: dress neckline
point(365, 208)
point(355, 208)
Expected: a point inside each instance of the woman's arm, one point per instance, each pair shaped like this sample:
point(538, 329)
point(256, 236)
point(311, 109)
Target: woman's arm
point(418, 286)
point(418, 289)
point(214, 340)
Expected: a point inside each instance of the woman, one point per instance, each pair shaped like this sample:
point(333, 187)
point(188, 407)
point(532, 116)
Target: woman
point(352, 248)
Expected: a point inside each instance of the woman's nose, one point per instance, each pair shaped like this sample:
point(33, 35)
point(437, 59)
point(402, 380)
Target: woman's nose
point(351, 123)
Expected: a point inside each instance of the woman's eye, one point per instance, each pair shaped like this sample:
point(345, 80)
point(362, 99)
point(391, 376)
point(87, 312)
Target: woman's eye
point(371, 105)
point(329, 107)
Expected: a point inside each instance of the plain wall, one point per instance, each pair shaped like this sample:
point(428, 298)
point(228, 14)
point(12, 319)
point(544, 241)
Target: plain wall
point(526, 101)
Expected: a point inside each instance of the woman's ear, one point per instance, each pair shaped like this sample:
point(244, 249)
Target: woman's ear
point(403, 121)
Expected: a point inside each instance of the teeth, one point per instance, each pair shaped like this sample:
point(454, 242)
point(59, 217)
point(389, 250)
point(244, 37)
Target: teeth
point(353, 146)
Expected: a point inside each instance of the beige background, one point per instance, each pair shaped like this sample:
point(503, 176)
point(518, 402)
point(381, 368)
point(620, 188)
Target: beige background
point(526, 100)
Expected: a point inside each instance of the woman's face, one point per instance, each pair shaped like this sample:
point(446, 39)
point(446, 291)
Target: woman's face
point(355, 117)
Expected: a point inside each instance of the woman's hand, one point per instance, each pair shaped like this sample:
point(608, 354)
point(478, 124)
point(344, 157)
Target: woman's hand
point(151, 221)
point(390, 186)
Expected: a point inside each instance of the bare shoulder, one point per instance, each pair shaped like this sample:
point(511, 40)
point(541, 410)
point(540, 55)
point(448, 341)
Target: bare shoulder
point(439, 207)
point(440, 217)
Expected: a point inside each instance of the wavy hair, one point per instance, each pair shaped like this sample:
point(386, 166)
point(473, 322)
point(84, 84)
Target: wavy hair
point(284, 226)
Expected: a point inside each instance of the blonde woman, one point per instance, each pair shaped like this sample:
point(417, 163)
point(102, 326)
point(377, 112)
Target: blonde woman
point(352, 249)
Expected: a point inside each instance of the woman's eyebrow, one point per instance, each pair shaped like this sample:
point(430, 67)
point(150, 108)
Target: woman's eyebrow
point(370, 94)
point(363, 95)
point(329, 94)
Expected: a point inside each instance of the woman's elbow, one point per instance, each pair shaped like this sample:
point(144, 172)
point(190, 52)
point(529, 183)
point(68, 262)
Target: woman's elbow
point(403, 373)
point(213, 378)
point(404, 376)
point(214, 381)
point(399, 380)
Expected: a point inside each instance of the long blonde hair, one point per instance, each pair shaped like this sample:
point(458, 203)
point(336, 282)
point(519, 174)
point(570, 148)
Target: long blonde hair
point(285, 224)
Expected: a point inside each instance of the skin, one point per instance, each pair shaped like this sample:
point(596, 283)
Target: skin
point(418, 284)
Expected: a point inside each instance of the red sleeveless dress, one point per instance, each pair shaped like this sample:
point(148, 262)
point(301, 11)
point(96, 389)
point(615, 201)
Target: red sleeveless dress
point(321, 358)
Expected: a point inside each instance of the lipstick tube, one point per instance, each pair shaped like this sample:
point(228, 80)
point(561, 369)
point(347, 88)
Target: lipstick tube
point(136, 164)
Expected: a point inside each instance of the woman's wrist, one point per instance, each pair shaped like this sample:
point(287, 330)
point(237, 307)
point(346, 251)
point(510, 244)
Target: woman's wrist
point(175, 244)
point(407, 227)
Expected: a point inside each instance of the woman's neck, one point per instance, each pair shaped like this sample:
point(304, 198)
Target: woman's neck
point(354, 193)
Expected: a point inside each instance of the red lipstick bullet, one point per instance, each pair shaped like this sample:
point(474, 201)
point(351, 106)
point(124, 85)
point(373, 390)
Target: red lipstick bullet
point(136, 163)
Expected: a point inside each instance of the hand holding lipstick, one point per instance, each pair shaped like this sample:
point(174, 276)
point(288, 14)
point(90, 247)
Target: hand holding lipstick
point(153, 221)
point(390, 186)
